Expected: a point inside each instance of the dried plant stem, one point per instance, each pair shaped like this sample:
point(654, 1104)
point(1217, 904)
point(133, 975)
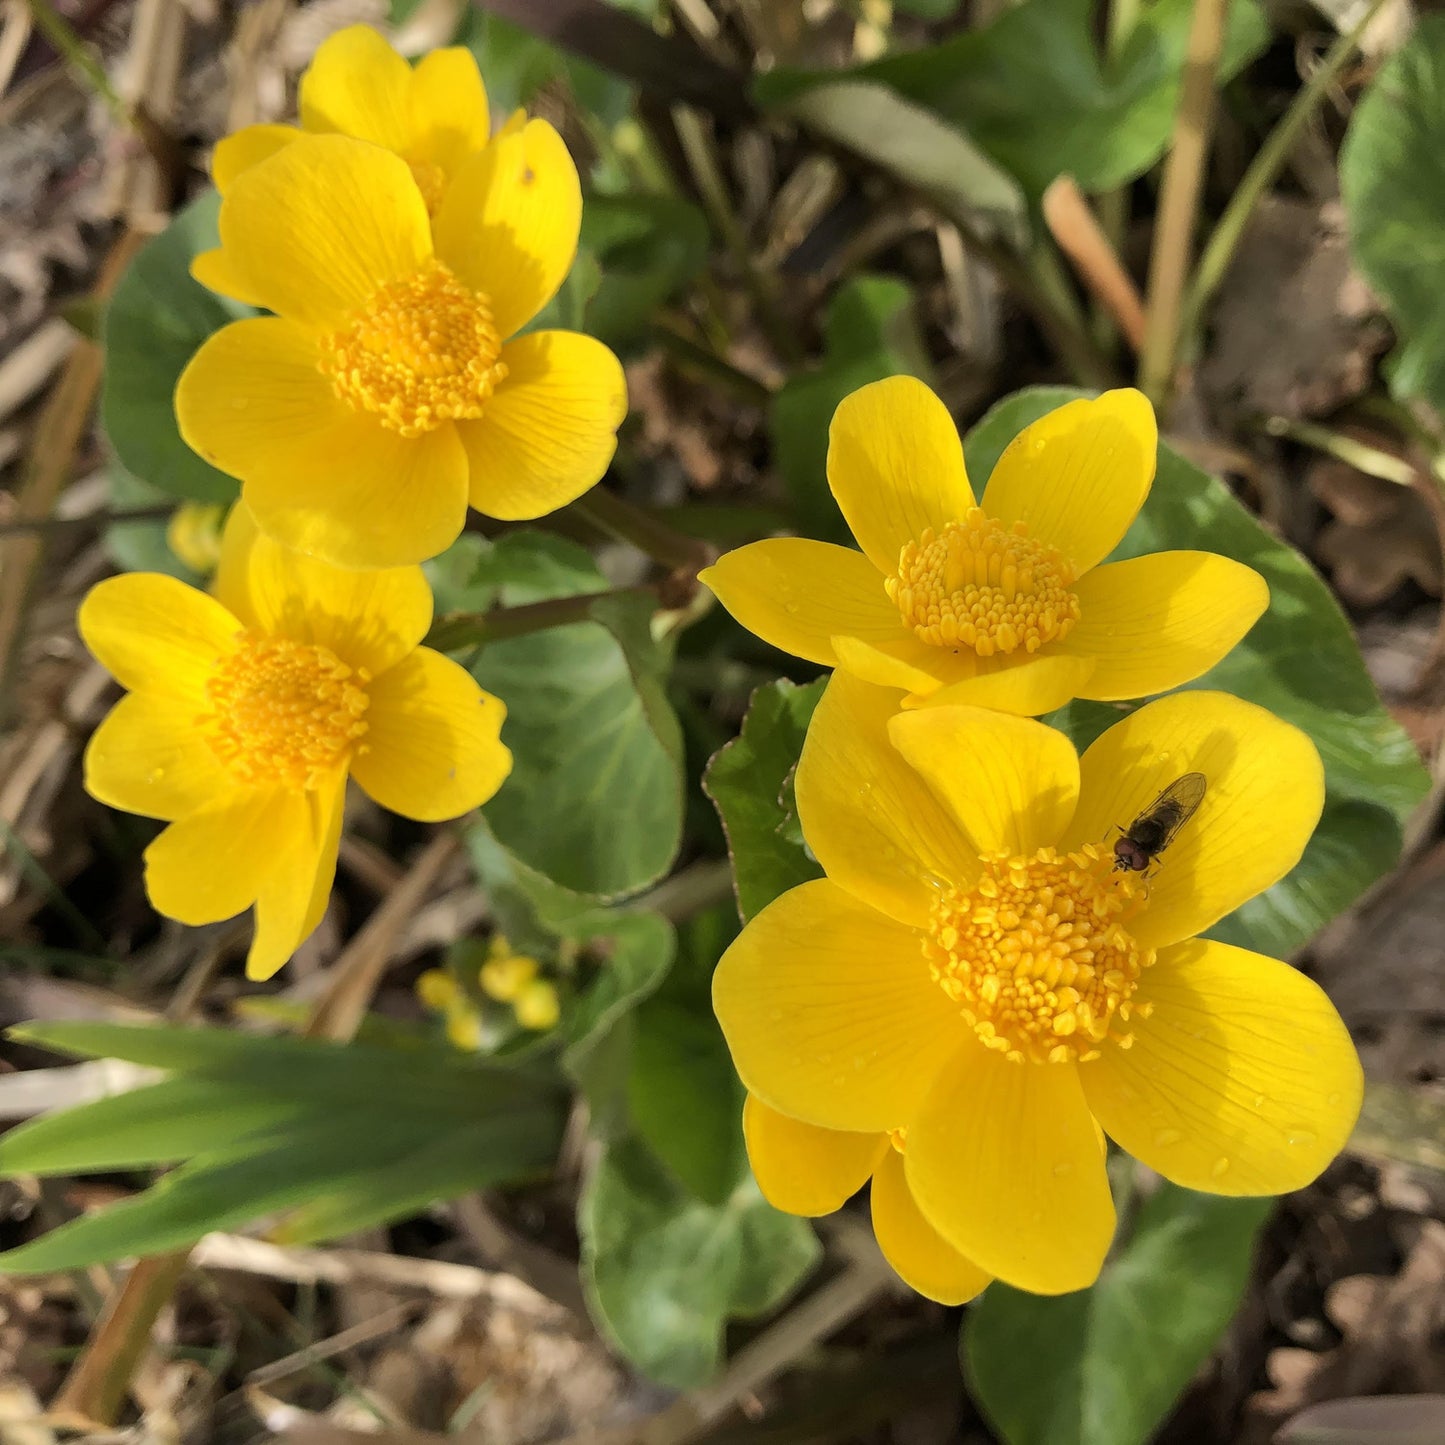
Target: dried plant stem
point(1179, 198)
point(1079, 235)
point(1263, 171)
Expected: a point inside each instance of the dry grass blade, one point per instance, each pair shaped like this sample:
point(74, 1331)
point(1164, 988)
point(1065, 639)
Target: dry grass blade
point(1073, 224)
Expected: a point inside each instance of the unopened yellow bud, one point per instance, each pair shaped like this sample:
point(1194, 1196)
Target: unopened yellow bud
point(503, 977)
point(194, 535)
point(537, 1006)
point(437, 989)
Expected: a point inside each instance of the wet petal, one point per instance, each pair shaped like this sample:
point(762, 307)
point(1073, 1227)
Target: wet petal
point(874, 824)
point(1004, 1162)
point(802, 1169)
point(1263, 796)
point(1242, 1080)
point(830, 1012)
point(797, 595)
point(895, 464)
point(1011, 783)
point(1078, 476)
point(1154, 623)
point(919, 1254)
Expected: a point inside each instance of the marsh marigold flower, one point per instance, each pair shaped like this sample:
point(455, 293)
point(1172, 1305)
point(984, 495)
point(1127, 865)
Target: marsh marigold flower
point(976, 979)
point(1001, 603)
point(390, 387)
point(246, 712)
point(434, 116)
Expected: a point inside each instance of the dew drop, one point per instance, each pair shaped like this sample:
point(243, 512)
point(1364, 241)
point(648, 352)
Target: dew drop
point(1221, 1167)
point(1259, 1101)
point(790, 608)
point(1165, 1138)
point(1301, 1138)
point(1332, 1100)
point(1062, 1170)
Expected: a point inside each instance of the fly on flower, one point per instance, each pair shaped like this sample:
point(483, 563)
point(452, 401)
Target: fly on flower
point(1004, 601)
point(977, 981)
point(1154, 829)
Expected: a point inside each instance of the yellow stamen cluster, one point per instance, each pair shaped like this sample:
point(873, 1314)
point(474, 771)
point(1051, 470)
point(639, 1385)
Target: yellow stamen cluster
point(982, 585)
point(283, 711)
point(431, 181)
point(421, 352)
point(1038, 957)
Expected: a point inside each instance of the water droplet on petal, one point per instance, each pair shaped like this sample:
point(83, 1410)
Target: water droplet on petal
point(1061, 1170)
point(1221, 1167)
point(1165, 1138)
point(1301, 1138)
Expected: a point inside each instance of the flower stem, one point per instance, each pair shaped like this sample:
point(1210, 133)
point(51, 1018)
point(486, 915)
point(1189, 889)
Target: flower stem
point(476, 629)
point(628, 523)
point(1263, 170)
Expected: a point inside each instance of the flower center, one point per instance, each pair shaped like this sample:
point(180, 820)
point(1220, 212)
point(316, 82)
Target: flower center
point(1037, 956)
point(431, 181)
point(284, 712)
point(987, 586)
point(421, 352)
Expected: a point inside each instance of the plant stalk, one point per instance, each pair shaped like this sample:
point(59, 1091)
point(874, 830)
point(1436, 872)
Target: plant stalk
point(475, 629)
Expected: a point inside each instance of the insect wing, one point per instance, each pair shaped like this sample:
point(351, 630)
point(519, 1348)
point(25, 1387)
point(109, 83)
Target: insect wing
point(1171, 810)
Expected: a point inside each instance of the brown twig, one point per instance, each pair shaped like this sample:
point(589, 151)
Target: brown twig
point(1076, 229)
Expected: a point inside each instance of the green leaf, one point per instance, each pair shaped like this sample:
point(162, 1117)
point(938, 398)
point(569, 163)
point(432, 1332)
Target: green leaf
point(1103, 1366)
point(918, 146)
point(155, 322)
point(595, 799)
point(664, 1272)
point(341, 1135)
point(1392, 179)
point(647, 247)
point(1034, 92)
point(870, 333)
point(1300, 661)
point(750, 783)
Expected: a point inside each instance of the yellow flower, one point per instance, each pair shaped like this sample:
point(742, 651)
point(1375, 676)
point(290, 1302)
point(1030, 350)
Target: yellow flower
point(802, 1169)
point(1002, 604)
point(384, 394)
point(505, 974)
point(975, 970)
point(537, 1006)
point(247, 710)
point(433, 116)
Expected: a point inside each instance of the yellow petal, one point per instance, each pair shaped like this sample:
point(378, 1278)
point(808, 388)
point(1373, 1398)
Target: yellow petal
point(1078, 476)
point(802, 1169)
point(830, 1012)
point(211, 865)
point(450, 117)
point(317, 228)
point(156, 633)
point(359, 86)
point(213, 271)
point(1011, 783)
point(1024, 686)
point(905, 663)
point(1004, 1161)
point(1153, 623)
point(318, 476)
point(919, 1254)
point(874, 824)
point(286, 907)
point(798, 594)
point(508, 226)
point(148, 757)
point(549, 430)
point(1263, 796)
point(433, 746)
point(245, 148)
point(1242, 1080)
point(368, 619)
point(895, 465)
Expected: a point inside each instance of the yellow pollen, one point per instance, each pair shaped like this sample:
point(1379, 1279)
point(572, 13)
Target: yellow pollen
point(431, 181)
point(283, 711)
point(982, 585)
point(1038, 957)
point(421, 352)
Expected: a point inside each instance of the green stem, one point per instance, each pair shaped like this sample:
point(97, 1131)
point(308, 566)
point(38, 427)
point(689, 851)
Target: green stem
point(77, 55)
point(609, 513)
point(705, 363)
point(1363, 457)
point(476, 629)
point(1263, 171)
